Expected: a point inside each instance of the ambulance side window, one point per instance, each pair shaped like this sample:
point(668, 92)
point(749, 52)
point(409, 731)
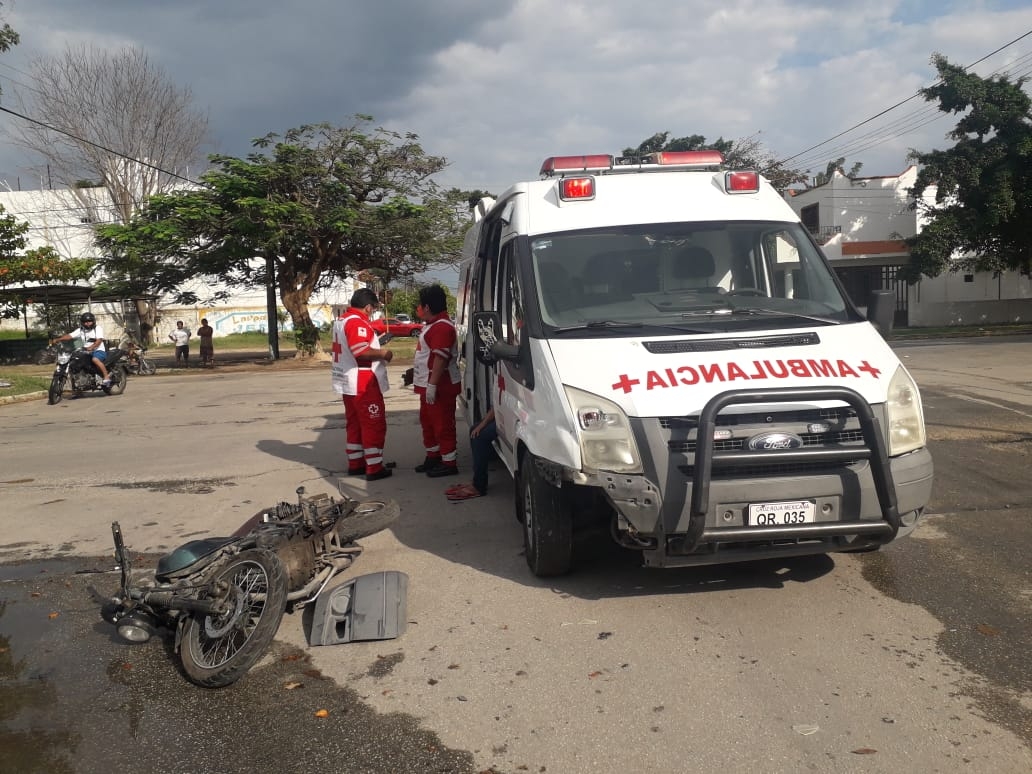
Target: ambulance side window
point(510, 304)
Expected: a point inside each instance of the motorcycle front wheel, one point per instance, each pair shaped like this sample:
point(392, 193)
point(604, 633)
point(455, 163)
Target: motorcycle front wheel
point(56, 389)
point(217, 650)
point(146, 367)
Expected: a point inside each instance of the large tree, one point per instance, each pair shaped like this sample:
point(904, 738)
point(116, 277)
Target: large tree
point(982, 215)
point(744, 153)
point(112, 116)
point(115, 117)
point(315, 204)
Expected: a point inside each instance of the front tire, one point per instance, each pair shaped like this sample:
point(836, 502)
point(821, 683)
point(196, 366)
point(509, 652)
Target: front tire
point(547, 522)
point(216, 651)
point(366, 519)
point(146, 367)
point(119, 377)
point(56, 389)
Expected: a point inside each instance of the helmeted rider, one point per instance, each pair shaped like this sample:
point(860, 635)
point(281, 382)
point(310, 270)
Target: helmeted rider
point(93, 342)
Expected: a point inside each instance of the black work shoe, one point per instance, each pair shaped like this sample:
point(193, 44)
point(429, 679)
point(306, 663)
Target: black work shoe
point(383, 473)
point(443, 470)
point(428, 464)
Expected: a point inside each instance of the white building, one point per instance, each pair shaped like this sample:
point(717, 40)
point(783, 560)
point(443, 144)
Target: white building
point(861, 224)
point(64, 219)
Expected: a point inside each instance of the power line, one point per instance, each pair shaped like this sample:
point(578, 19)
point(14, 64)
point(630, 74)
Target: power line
point(98, 146)
point(898, 104)
point(903, 125)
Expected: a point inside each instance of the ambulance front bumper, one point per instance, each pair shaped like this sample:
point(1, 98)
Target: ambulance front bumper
point(705, 512)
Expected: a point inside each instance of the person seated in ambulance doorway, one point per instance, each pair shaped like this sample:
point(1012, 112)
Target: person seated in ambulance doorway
point(359, 374)
point(437, 381)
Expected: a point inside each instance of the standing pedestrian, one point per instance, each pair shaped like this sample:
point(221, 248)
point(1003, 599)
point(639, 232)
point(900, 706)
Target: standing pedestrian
point(205, 334)
point(181, 338)
point(437, 381)
point(359, 374)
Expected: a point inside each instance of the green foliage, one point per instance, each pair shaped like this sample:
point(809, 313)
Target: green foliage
point(403, 302)
point(838, 165)
point(318, 202)
point(38, 266)
point(745, 153)
point(8, 37)
point(306, 338)
point(982, 215)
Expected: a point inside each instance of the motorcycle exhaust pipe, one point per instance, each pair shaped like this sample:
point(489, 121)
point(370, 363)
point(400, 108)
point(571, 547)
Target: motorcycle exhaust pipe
point(170, 600)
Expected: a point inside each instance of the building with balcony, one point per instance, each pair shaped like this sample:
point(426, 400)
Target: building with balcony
point(861, 223)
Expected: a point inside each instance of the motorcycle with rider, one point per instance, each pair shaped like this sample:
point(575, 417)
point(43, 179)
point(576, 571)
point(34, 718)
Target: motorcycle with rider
point(91, 366)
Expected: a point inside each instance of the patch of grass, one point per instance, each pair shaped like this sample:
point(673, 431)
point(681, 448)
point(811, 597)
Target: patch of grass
point(21, 383)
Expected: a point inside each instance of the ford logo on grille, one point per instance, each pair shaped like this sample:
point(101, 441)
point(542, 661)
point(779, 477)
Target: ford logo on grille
point(775, 442)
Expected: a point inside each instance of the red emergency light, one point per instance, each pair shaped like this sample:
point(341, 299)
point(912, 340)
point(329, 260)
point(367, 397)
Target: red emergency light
point(577, 188)
point(699, 158)
point(742, 181)
point(596, 162)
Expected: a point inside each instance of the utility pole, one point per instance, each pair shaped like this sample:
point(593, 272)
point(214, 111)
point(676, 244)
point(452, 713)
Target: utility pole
point(270, 305)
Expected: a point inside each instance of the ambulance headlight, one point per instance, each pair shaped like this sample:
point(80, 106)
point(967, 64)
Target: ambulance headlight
point(606, 442)
point(906, 418)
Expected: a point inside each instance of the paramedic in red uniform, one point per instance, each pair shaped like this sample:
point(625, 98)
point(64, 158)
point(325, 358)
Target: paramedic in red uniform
point(437, 381)
point(359, 373)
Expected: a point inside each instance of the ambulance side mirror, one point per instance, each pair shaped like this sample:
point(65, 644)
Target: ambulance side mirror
point(487, 346)
point(881, 310)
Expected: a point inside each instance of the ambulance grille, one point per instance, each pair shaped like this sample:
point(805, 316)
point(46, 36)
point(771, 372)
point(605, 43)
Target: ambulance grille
point(843, 429)
point(834, 416)
point(775, 469)
point(666, 347)
point(813, 440)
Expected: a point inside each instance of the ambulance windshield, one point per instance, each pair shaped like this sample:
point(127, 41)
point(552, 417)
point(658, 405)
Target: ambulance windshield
point(730, 275)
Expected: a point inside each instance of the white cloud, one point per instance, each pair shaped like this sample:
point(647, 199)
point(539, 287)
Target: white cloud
point(497, 87)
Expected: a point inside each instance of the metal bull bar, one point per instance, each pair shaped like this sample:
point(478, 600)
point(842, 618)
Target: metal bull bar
point(706, 456)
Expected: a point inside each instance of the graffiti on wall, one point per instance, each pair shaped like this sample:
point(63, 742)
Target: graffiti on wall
point(227, 321)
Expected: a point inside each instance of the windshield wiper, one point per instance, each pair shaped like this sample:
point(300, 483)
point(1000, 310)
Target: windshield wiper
point(596, 324)
point(600, 324)
point(755, 310)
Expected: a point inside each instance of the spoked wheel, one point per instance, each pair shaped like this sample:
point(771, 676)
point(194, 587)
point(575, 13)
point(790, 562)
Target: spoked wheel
point(56, 389)
point(119, 377)
point(218, 649)
point(146, 367)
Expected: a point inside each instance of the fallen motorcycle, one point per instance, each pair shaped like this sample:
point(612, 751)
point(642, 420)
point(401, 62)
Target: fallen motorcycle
point(76, 366)
point(224, 597)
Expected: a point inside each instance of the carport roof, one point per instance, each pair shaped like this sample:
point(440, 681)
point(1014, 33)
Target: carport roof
point(57, 294)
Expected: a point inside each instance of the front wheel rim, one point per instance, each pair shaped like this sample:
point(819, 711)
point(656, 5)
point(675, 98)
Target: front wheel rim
point(220, 638)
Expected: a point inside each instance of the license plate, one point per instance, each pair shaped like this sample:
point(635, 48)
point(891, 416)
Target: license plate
point(782, 514)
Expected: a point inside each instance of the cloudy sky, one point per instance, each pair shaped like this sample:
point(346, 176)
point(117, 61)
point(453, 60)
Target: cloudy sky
point(496, 87)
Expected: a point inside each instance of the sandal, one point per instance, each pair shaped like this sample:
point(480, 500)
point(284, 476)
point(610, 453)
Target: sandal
point(463, 492)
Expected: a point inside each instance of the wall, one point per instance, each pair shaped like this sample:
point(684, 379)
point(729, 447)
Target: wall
point(988, 299)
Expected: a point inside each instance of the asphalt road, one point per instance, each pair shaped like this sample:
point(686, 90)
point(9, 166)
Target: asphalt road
point(911, 659)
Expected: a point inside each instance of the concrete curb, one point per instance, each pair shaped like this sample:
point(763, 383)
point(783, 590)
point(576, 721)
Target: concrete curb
point(22, 398)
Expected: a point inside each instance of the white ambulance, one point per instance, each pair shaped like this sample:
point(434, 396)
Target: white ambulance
point(671, 358)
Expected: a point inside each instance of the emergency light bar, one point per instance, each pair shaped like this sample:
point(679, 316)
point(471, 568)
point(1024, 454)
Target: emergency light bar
point(699, 158)
point(558, 164)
